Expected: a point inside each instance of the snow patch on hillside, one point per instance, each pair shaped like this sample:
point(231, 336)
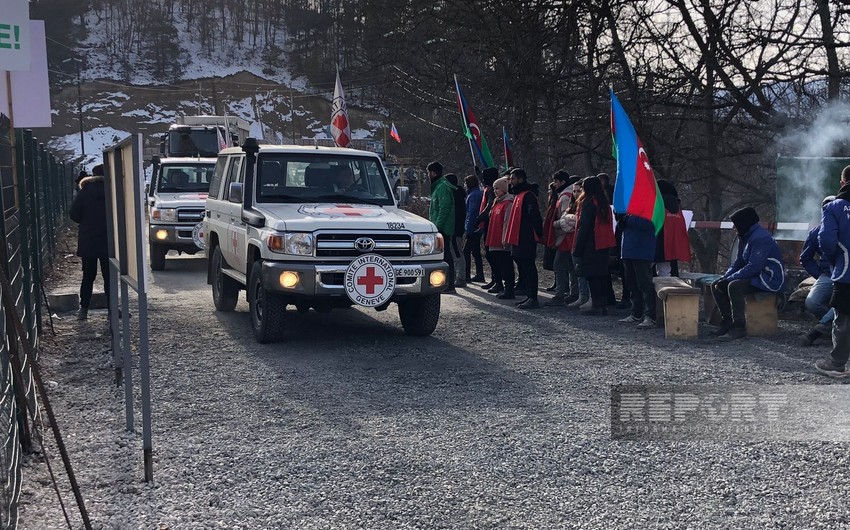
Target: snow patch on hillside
point(202, 63)
point(96, 140)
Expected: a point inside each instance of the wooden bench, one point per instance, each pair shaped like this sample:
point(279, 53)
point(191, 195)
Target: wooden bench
point(703, 281)
point(762, 317)
point(677, 307)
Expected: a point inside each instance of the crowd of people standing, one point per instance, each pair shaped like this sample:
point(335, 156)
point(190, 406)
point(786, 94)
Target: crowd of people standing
point(586, 243)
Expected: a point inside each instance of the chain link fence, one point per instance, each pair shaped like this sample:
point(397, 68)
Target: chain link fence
point(35, 194)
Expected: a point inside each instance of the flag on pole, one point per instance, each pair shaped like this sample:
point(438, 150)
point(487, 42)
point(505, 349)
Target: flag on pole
point(340, 130)
point(394, 133)
point(509, 156)
point(471, 129)
point(635, 191)
point(222, 144)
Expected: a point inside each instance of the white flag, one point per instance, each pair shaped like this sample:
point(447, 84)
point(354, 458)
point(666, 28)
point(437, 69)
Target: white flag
point(340, 130)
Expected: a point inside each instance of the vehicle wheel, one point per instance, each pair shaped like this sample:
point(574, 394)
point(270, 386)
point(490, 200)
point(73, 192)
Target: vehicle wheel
point(225, 289)
point(419, 316)
point(158, 253)
point(267, 309)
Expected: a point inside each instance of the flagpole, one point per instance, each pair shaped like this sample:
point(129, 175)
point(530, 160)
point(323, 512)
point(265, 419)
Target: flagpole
point(465, 123)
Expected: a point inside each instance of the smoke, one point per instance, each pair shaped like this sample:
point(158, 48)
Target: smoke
point(809, 165)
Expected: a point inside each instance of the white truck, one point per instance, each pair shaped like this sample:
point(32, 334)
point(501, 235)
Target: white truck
point(320, 228)
point(177, 197)
point(193, 136)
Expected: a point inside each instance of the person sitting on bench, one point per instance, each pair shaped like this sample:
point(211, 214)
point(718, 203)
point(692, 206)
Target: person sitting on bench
point(758, 267)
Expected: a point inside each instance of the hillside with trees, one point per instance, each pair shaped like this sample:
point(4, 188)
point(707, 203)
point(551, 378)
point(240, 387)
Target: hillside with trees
point(715, 88)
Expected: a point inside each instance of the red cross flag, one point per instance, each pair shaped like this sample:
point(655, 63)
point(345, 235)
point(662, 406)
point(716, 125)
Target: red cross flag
point(339, 117)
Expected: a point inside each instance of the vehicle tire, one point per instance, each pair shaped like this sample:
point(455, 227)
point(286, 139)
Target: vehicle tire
point(419, 316)
point(267, 309)
point(225, 290)
point(158, 253)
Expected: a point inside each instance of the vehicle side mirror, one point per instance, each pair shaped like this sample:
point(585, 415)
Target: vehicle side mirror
point(162, 147)
point(234, 194)
point(403, 196)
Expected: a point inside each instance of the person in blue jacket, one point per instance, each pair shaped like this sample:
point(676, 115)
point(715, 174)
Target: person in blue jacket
point(817, 301)
point(472, 229)
point(758, 267)
point(637, 250)
point(834, 240)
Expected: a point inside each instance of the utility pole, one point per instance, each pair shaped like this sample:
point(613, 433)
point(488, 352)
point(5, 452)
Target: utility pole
point(79, 105)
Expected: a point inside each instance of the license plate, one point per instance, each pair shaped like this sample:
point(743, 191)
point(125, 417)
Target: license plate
point(409, 271)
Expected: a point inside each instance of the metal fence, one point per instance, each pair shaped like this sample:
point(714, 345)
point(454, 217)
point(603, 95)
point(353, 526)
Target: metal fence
point(35, 194)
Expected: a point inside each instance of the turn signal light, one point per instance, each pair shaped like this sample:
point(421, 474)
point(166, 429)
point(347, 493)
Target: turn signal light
point(288, 279)
point(437, 278)
point(161, 234)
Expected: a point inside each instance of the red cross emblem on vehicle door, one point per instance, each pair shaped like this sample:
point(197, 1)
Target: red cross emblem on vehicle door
point(370, 280)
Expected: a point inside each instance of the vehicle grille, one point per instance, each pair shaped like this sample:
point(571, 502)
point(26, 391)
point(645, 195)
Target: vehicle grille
point(190, 215)
point(342, 245)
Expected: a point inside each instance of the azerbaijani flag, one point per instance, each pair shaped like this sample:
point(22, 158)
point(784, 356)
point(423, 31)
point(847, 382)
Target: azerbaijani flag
point(394, 133)
point(509, 156)
point(471, 129)
point(635, 191)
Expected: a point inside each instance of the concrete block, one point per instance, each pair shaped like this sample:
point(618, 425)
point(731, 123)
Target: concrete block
point(64, 301)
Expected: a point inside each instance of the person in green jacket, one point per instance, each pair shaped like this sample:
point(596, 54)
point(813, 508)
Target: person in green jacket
point(442, 213)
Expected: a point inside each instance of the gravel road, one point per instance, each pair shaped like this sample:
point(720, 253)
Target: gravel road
point(499, 420)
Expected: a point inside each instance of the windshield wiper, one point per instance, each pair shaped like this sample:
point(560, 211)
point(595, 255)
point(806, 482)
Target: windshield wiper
point(346, 198)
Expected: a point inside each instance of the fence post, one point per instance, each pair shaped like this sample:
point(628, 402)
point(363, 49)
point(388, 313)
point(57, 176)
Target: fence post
point(33, 218)
point(30, 290)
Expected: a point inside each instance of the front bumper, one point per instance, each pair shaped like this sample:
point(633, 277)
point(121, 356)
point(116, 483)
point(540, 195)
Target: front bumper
point(327, 280)
point(178, 237)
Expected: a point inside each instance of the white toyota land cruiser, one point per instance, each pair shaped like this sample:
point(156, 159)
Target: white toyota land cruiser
point(176, 199)
point(317, 227)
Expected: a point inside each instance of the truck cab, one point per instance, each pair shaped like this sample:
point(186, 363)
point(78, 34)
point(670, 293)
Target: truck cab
point(176, 200)
point(317, 228)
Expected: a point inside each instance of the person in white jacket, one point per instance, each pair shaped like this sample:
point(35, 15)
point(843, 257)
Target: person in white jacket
point(564, 226)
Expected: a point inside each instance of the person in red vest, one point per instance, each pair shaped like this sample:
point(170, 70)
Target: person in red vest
point(593, 239)
point(496, 241)
point(525, 228)
point(671, 244)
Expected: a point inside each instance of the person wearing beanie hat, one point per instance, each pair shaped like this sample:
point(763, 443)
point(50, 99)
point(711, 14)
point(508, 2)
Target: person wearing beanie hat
point(441, 212)
point(499, 251)
point(744, 219)
point(834, 240)
point(757, 267)
point(817, 301)
point(488, 177)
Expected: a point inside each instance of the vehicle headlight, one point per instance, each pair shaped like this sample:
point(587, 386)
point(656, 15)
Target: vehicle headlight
point(164, 214)
point(295, 243)
point(424, 244)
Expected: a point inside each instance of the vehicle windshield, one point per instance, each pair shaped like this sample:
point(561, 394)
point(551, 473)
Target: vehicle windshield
point(185, 178)
point(321, 178)
point(185, 141)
